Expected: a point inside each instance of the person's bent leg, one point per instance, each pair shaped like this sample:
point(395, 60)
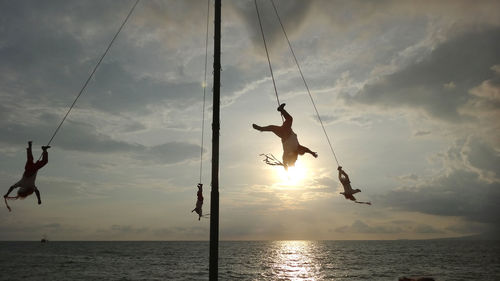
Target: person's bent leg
point(29, 156)
point(288, 118)
point(45, 159)
point(302, 150)
point(277, 130)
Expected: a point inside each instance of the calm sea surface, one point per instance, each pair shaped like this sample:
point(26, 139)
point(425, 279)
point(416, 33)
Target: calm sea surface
point(261, 260)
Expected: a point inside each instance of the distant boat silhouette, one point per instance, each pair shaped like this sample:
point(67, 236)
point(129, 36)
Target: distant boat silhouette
point(44, 239)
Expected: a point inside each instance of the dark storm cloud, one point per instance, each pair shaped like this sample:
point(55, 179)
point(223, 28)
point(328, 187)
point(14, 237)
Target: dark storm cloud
point(463, 191)
point(460, 193)
point(47, 52)
point(440, 83)
point(79, 136)
point(484, 157)
point(292, 13)
point(42, 49)
point(116, 90)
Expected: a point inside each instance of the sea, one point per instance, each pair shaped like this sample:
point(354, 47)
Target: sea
point(252, 260)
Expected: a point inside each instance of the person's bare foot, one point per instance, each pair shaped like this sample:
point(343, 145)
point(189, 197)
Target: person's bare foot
point(281, 107)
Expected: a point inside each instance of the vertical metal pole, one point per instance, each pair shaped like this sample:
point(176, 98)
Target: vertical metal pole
point(214, 196)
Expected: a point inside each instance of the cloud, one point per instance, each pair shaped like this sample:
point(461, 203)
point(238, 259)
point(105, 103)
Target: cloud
point(409, 177)
point(460, 193)
point(293, 14)
point(24, 230)
point(127, 229)
point(467, 228)
point(465, 60)
point(421, 133)
point(468, 188)
point(171, 152)
point(360, 227)
point(427, 229)
point(484, 158)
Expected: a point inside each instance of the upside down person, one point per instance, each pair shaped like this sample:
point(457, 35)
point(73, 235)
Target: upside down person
point(346, 183)
point(199, 201)
point(27, 183)
point(291, 147)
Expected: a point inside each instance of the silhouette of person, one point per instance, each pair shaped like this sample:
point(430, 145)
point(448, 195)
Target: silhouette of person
point(199, 201)
point(346, 183)
point(27, 183)
point(291, 147)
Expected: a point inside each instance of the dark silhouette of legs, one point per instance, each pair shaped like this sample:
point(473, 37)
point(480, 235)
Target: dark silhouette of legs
point(282, 131)
point(38, 196)
point(29, 157)
point(302, 150)
point(45, 158)
point(277, 130)
point(288, 118)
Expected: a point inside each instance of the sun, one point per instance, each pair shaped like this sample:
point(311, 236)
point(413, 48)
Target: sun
point(292, 177)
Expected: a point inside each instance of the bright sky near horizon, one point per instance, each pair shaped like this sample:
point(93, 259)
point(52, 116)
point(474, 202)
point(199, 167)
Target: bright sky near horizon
point(409, 92)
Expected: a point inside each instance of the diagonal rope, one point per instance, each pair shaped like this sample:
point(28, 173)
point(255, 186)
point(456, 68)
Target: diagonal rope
point(305, 83)
point(204, 92)
point(267, 54)
point(93, 71)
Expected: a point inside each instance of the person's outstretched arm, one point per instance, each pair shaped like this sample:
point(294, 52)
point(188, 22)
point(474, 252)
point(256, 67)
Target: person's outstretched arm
point(10, 190)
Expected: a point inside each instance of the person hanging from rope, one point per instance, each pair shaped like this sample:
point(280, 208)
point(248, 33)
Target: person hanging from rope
point(348, 191)
point(199, 201)
point(291, 147)
point(27, 183)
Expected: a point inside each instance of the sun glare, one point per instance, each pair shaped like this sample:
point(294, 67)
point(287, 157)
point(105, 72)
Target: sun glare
point(292, 177)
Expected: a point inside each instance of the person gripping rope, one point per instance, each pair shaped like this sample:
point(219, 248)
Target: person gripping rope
point(291, 147)
point(348, 191)
point(199, 201)
point(26, 184)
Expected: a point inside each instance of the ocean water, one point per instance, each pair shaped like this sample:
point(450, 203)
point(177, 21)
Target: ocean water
point(256, 260)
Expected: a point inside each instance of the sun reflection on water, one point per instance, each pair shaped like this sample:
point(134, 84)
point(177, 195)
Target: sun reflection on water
point(295, 260)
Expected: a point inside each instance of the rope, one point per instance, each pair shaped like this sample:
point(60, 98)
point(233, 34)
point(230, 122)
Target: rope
point(267, 54)
point(92, 73)
point(204, 92)
point(9, 198)
point(305, 83)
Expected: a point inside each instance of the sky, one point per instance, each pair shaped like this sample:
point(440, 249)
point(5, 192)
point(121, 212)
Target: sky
point(409, 93)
